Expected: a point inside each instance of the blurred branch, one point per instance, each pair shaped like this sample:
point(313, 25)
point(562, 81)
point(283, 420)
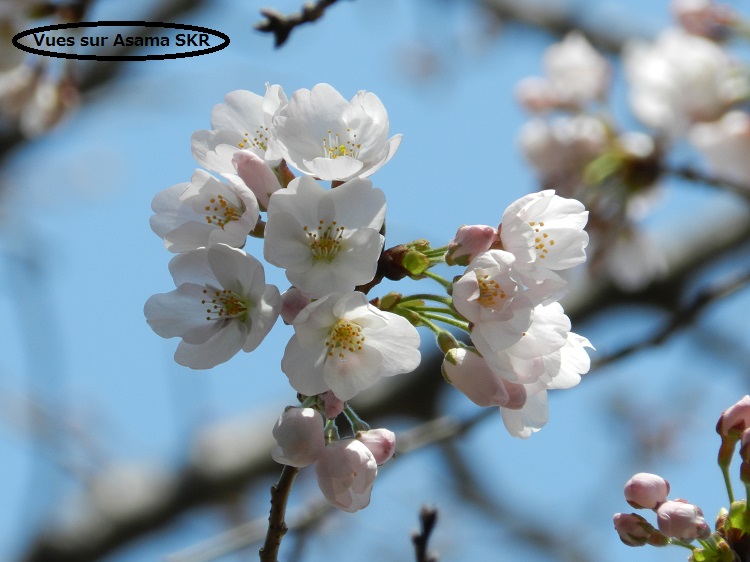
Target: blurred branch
point(559, 18)
point(421, 539)
point(682, 318)
point(692, 174)
point(281, 26)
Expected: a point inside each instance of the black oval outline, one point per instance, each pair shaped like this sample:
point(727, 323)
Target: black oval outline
point(223, 36)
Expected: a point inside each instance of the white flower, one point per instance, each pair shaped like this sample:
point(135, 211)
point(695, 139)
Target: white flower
point(204, 212)
point(545, 232)
point(559, 149)
point(344, 344)
point(327, 240)
point(562, 369)
point(524, 360)
point(577, 73)
point(681, 79)
point(322, 135)
point(221, 305)
point(240, 141)
point(487, 288)
point(346, 471)
point(725, 144)
point(299, 437)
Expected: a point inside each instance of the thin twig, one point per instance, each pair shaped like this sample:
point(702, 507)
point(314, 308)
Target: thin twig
point(427, 521)
point(281, 26)
point(692, 174)
point(682, 318)
point(277, 527)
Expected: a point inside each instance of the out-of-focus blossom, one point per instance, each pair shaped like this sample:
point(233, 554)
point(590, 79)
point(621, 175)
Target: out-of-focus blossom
point(681, 79)
point(633, 260)
point(559, 149)
point(577, 73)
point(725, 144)
point(704, 17)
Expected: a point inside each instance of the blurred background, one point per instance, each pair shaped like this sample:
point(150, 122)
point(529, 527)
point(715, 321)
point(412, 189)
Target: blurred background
point(112, 452)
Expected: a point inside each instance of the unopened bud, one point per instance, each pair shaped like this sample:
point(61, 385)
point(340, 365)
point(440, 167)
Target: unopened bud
point(299, 437)
point(646, 491)
point(381, 442)
point(536, 95)
point(735, 419)
point(682, 520)
point(415, 262)
point(332, 404)
point(469, 242)
point(469, 372)
point(292, 302)
point(633, 529)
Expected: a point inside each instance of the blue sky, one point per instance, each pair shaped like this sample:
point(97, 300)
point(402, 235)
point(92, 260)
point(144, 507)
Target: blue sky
point(79, 209)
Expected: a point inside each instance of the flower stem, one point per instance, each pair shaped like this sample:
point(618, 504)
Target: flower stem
point(446, 320)
point(276, 525)
point(434, 276)
point(427, 297)
point(727, 482)
point(683, 544)
point(357, 423)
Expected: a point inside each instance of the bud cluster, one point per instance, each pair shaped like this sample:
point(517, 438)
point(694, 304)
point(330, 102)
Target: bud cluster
point(680, 522)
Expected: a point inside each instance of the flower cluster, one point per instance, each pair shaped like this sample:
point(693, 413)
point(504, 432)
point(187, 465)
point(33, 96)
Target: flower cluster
point(680, 522)
point(682, 85)
point(330, 243)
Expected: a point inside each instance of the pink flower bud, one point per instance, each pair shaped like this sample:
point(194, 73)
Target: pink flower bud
point(257, 175)
point(704, 17)
point(646, 491)
point(333, 406)
point(381, 442)
point(346, 471)
point(469, 242)
point(735, 419)
point(633, 529)
point(469, 372)
point(682, 520)
point(299, 437)
point(292, 302)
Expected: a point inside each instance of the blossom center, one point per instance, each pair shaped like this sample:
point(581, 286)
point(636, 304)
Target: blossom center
point(223, 304)
point(325, 241)
point(259, 139)
point(542, 241)
point(222, 212)
point(489, 291)
point(336, 145)
point(344, 336)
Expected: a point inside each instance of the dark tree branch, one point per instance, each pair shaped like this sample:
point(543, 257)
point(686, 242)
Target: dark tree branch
point(277, 527)
point(692, 174)
point(421, 539)
point(681, 319)
point(281, 26)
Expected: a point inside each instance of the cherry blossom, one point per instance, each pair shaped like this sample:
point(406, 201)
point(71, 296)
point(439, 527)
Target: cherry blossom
point(577, 73)
point(468, 372)
point(682, 520)
point(327, 240)
point(322, 135)
point(381, 442)
point(545, 232)
point(221, 305)
point(725, 145)
point(344, 344)
point(204, 212)
point(299, 437)
point(681, 79)
point(346, 471)
point(240, 141)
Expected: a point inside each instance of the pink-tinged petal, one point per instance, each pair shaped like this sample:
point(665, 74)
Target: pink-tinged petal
point(256, 174)
point(346, 471)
